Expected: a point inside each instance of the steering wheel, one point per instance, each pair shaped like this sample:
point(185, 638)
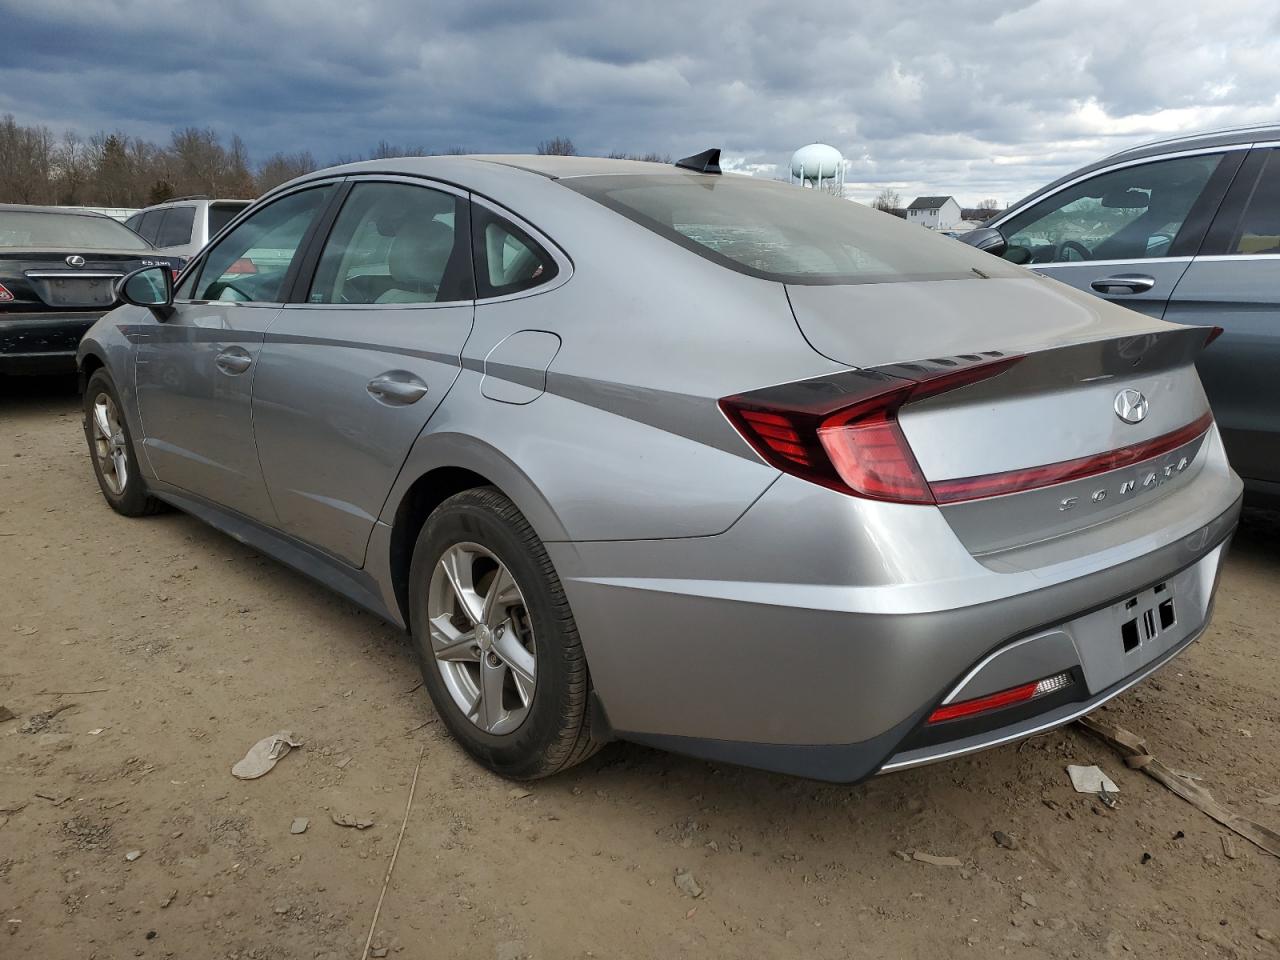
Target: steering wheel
point(1080, 248)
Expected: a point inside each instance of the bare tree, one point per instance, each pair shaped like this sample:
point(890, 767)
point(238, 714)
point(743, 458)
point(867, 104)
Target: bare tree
point(72, 168)
point(651, 157)
point(558, 147)
point(888, 200)
point(282, 167)
point(990, 206)
point(26, 155)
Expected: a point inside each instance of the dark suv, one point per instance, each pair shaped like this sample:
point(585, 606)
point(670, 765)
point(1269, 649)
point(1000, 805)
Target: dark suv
point(1187, 230)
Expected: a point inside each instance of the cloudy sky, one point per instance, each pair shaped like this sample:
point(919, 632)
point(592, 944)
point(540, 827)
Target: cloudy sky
point(966, 97)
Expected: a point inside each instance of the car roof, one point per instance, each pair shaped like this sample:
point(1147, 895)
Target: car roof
point(1230, 137)
point(29, 208)
point(502, 166)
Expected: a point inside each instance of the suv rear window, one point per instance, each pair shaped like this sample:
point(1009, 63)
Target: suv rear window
point(781, 232)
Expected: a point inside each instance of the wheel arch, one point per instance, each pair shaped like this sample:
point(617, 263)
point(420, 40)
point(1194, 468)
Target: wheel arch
point(440, 466)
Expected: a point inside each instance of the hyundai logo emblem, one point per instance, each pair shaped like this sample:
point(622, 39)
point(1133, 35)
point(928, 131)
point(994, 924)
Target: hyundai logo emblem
point(1131, 405)
point(75, 260)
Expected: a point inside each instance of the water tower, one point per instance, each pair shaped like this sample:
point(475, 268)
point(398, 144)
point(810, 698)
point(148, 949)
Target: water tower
point(816, 164)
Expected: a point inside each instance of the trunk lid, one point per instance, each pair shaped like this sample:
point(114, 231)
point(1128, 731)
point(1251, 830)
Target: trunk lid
point(1054, 443)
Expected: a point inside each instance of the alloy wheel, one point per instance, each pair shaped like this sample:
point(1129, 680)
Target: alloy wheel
point(481, 638)
point(109, 444)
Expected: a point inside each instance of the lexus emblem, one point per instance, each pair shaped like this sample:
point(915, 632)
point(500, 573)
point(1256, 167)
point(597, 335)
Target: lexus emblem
point(75, 260)
point(1131, 405)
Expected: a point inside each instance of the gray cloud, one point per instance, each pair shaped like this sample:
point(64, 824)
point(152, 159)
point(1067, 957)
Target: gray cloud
point(955, 97)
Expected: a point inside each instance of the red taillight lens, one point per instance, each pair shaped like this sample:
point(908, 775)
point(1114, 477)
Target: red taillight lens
point(1005, 698)
point(871, 455)
point(842, 431)
point(1016, 481)
point(242, 266)
point(5, 295)
point(1214, 334)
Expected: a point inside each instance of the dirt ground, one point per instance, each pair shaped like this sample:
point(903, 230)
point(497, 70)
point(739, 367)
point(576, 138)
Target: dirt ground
point(168, 649)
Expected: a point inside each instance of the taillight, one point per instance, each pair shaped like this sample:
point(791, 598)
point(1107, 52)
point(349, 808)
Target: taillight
point(1214, 334)
point(842, 431)
point(5, 295)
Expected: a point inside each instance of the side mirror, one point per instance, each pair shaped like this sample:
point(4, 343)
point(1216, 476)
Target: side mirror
point(150, 287)
point(987, 239)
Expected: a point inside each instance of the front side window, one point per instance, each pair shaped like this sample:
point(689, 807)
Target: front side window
point(395, 243)
point(780, 232)
point(175, 229)
point(251, 262)
point(508, 260)
point(1128, 214)
point(1259, 230)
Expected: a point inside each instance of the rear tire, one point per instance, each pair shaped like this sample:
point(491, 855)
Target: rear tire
point(111, 450)
point(488, 613)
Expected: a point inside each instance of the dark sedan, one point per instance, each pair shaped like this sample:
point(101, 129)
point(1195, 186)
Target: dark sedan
point(58, 273)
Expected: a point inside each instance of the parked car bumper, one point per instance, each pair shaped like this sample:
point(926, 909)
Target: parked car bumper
point(785, 664)
point(36, 343)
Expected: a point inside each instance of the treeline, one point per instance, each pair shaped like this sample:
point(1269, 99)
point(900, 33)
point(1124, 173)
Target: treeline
point(119, 170)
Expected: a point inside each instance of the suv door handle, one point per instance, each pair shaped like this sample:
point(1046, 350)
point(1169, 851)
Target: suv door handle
point(398, 388)
point(1124, 283)
point(234, 360)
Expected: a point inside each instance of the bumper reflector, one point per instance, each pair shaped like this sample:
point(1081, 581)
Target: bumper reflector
point(1005, 698)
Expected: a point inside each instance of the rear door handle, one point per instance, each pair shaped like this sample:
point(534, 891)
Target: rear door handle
point(1124, 283)
point(398, 388)
point(234, 360)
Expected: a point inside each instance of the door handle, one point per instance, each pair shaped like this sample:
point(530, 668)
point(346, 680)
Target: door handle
point(234, 360)
point(397, 388)
point(1124, 283)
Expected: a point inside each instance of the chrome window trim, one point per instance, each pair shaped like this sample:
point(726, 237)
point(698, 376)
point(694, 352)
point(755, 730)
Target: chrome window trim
point(1238, 256)
point(1109, 263)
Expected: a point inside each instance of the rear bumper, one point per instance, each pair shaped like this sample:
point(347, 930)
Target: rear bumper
point(34, 343)
point(816, 635)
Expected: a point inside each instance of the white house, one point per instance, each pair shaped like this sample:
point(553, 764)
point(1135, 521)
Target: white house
point(936, 213)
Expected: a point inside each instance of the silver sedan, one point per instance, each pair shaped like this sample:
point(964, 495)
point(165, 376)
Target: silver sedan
point(651, 452)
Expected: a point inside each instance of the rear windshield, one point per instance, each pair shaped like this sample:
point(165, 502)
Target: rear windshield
point(220, 214)
point(781, 232)
point(21, 228)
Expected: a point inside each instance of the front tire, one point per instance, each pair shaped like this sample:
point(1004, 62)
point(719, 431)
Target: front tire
point(496, 641)
point(111, 450)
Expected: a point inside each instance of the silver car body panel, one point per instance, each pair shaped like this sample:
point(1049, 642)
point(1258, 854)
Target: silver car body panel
point(727, 609)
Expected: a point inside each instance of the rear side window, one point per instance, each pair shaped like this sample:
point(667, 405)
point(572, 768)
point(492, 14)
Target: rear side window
point(508, 260)
point(1259, 230)
point(395, 243)
point(175, 229)
point(785, 233)
point(150, 224)
point(220, 214)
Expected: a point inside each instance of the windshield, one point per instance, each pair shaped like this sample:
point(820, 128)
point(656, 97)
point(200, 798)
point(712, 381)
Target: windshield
point(781, 232)
point(21, 228)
